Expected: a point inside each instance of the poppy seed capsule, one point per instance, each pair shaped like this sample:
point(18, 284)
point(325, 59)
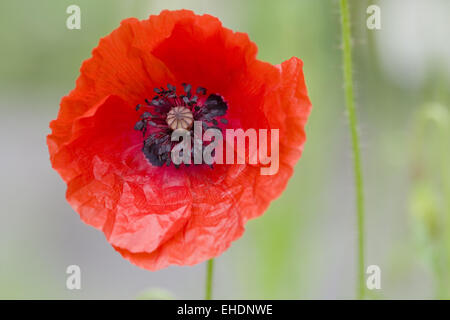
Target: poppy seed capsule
point(180, 118)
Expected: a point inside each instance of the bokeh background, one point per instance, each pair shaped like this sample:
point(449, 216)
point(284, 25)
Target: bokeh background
point(304, 245)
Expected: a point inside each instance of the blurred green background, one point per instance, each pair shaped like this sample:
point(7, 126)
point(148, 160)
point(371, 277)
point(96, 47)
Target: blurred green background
point(304, 245)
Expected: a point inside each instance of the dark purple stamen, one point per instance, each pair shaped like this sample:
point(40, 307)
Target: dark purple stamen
point(153, 121)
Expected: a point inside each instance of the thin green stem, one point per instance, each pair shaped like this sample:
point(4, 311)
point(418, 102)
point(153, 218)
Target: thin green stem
point(350, 102)
point(209, 279)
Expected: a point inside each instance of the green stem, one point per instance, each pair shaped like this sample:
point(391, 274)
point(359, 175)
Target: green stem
point(209, 279)
point(348, 84)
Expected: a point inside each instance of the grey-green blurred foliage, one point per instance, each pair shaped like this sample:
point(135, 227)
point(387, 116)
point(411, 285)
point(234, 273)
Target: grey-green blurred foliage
point(430, 195)
point(155, 294)
point(304, 245)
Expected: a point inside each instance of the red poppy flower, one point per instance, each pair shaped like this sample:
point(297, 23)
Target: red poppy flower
point(113, 156)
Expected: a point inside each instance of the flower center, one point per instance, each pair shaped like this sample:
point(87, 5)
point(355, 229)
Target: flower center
point(169, 111)
point(180, 118)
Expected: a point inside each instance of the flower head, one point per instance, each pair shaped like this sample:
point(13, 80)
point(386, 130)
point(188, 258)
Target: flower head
point(111, 141)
